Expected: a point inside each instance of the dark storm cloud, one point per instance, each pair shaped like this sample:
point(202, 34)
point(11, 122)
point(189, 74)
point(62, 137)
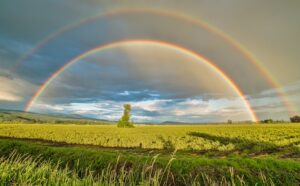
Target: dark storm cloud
point(32, 20)
point(70, 44)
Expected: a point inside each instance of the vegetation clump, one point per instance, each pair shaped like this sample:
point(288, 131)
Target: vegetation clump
point(168, 145)
point(295, 119)
point(125, 122)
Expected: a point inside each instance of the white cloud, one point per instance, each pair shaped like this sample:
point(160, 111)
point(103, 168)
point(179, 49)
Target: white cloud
point(6, 96)
point(14, 89)
point(156, 110)
point(150, 105)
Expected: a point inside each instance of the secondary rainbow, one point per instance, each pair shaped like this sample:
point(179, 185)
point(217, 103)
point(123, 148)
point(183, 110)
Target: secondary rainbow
point(175, 14)
point(143, 42)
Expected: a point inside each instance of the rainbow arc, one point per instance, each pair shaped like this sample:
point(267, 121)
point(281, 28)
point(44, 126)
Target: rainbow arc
point(155, 43)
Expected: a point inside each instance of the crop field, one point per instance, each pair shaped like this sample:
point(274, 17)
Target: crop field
point(246, 139)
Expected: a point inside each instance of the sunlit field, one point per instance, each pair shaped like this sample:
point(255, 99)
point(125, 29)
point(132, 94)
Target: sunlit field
point(243, 138)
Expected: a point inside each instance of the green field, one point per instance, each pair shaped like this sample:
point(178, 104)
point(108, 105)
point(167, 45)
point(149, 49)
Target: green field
point(223, 138)
point(150, 154)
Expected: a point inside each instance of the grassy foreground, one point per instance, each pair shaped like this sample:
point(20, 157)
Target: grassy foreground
point(46, 164)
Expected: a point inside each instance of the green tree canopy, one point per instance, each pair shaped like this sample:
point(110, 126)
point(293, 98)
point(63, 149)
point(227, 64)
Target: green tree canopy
point(124, 122)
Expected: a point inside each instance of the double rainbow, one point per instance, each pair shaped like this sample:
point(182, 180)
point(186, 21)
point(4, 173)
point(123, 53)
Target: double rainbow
point(154, 43)
point(222, 35)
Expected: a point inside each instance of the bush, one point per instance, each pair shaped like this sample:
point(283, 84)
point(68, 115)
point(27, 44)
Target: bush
point(168, 145)
point(267, 121)
point(295, 119)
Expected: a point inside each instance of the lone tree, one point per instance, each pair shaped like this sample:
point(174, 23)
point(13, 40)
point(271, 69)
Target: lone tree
point(295, 119)
point(124, 122)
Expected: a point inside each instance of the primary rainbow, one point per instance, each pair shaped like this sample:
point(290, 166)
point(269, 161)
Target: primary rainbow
point(137, 42)
point(219, 33)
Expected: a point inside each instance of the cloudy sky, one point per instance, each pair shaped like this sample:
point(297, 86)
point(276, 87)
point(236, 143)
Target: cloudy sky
point(161, 83)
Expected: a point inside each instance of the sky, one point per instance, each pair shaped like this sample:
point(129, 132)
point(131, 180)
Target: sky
point(184, 61)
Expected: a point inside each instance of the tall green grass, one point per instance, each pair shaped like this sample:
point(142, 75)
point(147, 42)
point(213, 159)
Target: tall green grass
point(19, 169)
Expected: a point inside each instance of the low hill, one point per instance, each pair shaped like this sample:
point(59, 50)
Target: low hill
point(11, 116)
point(173, 123)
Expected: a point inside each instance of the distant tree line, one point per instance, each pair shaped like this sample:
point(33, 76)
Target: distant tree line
point(294, 119)
point(273, 121)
